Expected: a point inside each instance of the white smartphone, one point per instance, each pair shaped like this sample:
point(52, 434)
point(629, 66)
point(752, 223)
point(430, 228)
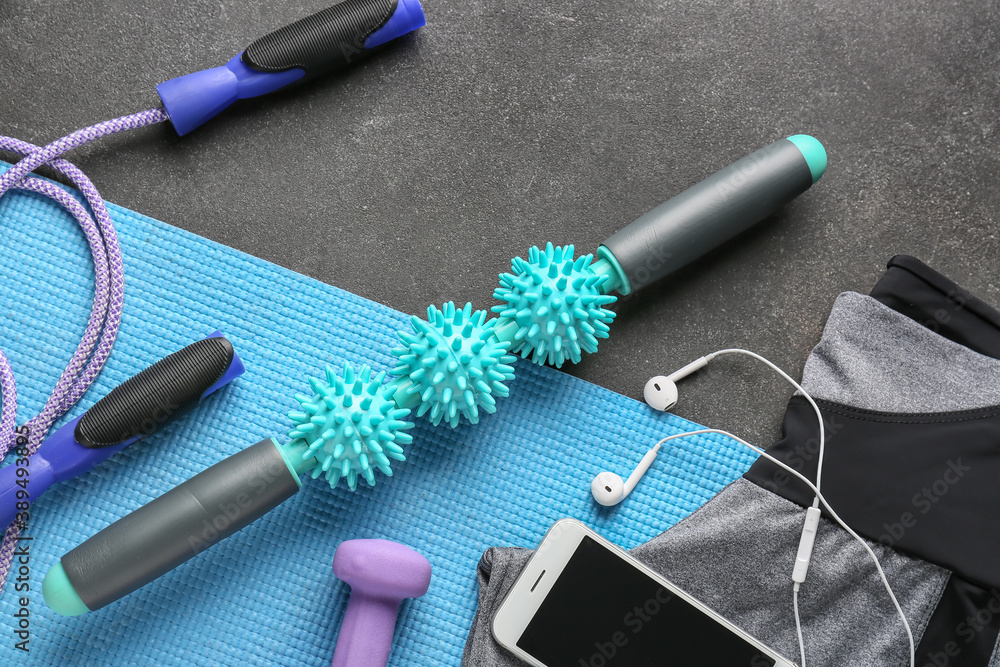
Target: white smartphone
point(581, 601)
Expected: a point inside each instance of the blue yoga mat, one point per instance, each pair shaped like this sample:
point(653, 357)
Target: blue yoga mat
point(268, 595)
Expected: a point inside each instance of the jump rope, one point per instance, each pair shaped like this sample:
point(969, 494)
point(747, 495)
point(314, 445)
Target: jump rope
point(330, 40)
point(106, 308)
point(453, 365)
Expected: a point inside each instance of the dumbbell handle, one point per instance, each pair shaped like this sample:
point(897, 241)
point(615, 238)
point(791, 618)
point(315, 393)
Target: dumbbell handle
point(365, 638)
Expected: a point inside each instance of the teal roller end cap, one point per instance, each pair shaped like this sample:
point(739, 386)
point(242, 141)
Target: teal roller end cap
point(60, 595)
point(814, 153)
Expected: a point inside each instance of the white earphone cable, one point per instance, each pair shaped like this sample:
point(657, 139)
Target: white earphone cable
point(799, 575)
point(805, 394)
point(798, 624)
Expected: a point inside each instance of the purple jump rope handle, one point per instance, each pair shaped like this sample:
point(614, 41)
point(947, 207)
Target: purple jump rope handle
point(381, 575)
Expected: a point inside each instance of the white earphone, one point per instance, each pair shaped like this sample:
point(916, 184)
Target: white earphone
point(609, 489)
point(661, 391)
point(661, 394)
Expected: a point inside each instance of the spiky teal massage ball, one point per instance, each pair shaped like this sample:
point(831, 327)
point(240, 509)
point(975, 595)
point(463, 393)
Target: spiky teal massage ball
point(351, 426)
point(454, 363)
point(557, 303)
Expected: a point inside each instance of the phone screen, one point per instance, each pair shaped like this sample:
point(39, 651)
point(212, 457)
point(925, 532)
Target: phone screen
point(602, 612)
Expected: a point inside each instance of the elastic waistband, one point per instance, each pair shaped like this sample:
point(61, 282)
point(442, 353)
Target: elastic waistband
point(914, 289)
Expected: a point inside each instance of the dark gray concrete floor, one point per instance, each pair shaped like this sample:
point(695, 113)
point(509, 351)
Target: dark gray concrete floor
point(414, 179)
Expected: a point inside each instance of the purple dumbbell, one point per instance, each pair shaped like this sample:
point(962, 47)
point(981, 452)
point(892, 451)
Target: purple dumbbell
point(381, 574)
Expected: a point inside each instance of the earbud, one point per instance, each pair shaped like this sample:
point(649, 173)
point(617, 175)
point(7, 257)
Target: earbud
point(609, 489)
point(660, 392)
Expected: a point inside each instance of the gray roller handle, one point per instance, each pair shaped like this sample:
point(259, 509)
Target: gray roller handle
point(715, 210)
point(180, 524)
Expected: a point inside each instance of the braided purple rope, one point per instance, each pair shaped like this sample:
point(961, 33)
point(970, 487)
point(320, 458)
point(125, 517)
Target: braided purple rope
point(8, 392)
point(106, 311)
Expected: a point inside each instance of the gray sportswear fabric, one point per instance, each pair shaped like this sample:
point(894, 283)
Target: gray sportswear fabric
point(866, 359)
point(736, 552)
point(498, 569)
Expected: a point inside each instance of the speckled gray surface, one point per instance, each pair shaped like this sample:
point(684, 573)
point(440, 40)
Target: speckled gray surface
point(415, 178)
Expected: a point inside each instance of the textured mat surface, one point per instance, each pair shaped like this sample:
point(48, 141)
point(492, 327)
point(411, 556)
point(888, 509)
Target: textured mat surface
point(267, 595)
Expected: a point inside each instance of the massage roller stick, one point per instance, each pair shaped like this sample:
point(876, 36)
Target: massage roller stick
point(347, 428)
point(555, 305)
point(452, 364)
